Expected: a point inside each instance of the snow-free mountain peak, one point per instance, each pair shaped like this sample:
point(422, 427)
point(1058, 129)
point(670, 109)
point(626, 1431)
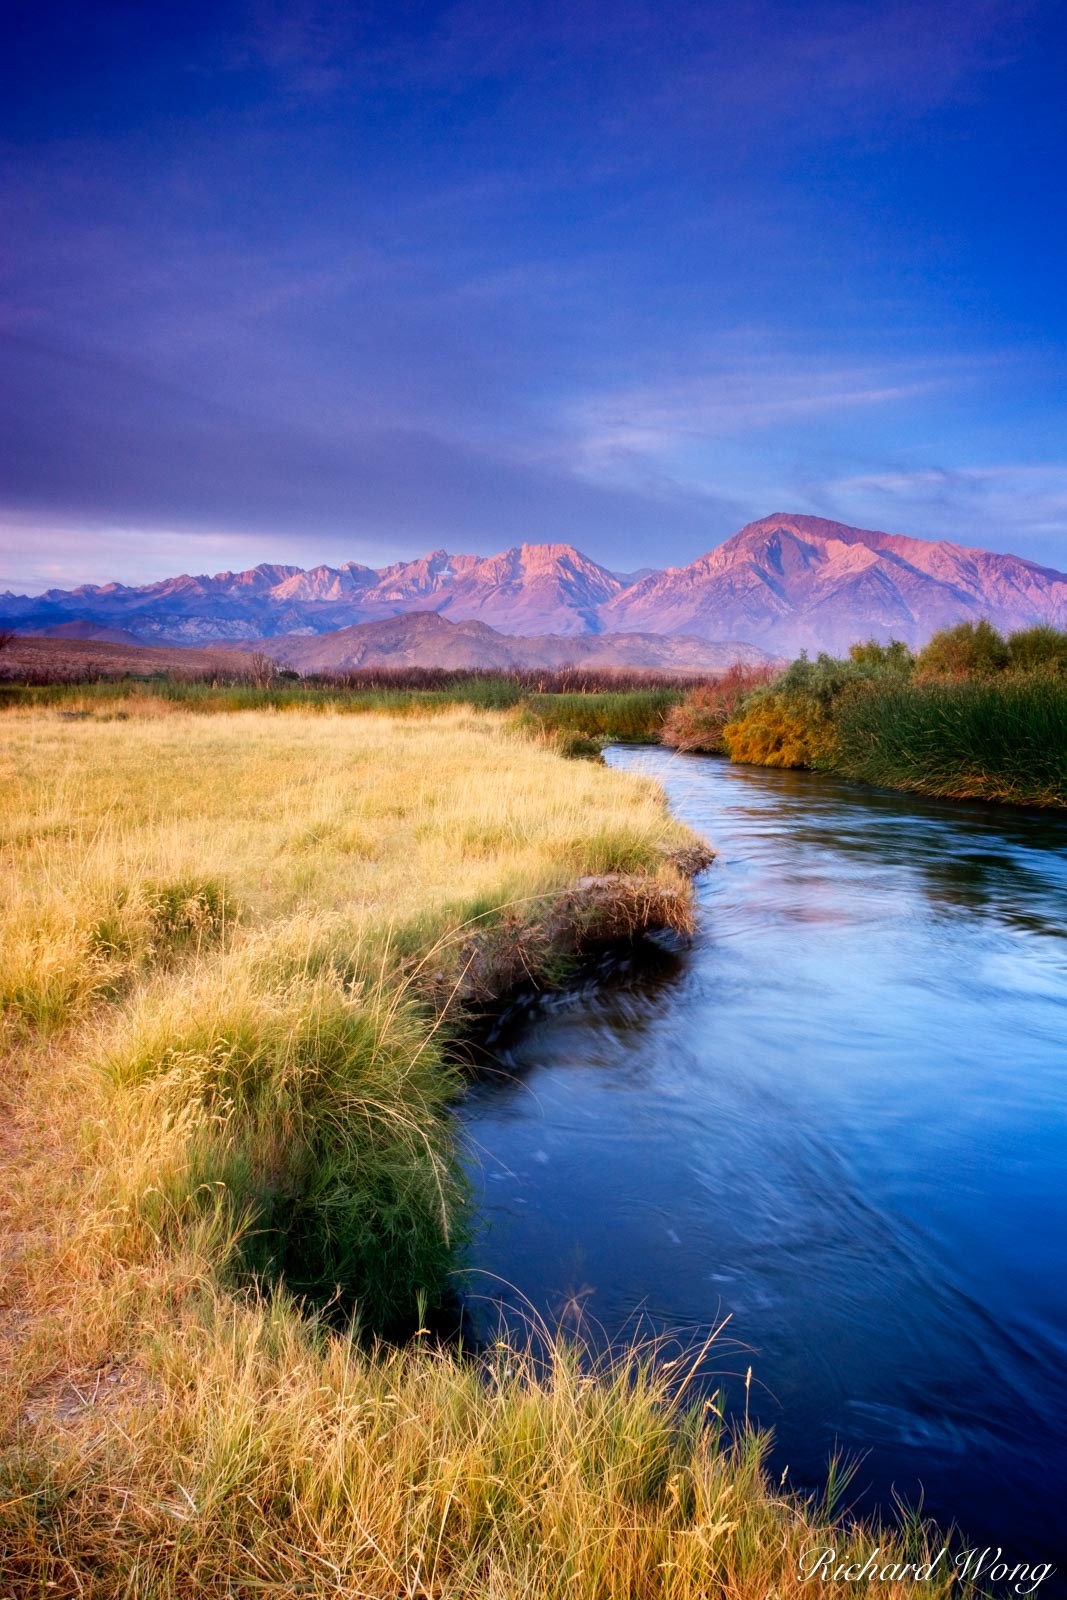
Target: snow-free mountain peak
point(786, 582)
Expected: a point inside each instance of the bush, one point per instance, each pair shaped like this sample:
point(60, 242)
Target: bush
point(697, 722)
point(969, 650)
point(1038, 649)
point(893, 657)
point(792, 724)
point(825, 679)
point(974, 716)
point(780, 730)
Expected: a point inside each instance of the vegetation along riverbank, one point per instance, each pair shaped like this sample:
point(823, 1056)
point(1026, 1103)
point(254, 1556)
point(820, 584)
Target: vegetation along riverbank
point(233, 948)
point(973, 716)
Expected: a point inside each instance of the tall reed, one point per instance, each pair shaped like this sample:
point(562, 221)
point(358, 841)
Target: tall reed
point(1002, 739)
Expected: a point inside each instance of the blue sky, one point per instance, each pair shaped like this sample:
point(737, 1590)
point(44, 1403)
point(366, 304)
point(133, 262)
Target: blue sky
point(302, 281)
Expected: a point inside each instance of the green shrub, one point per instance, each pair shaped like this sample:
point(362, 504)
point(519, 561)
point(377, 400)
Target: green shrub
point(791, 723)
point(893, 657)
point(980, 717)
point(1038, 649)
point(825, 679)
point(969, 650)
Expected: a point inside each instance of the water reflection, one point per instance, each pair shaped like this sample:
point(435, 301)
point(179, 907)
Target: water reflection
point(840, 1121)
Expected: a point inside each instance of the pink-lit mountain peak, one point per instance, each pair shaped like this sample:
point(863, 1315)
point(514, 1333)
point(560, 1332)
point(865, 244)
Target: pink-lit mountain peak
point(784, 583)
point(530, 588)
point(795, 582)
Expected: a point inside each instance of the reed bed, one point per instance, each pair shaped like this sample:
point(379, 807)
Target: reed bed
point(980, 739)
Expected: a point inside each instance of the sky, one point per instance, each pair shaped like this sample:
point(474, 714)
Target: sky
point(302, 281)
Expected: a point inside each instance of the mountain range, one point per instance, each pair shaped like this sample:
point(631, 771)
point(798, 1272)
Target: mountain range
point(783, 583)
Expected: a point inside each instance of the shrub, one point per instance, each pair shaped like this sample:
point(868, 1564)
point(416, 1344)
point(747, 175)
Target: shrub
point(697, 722)
point(1038, 649)
point(969, 650)
point(825, 679)
point(893, 657)
point(974, 716)
point(792, 723)
point(780, 730)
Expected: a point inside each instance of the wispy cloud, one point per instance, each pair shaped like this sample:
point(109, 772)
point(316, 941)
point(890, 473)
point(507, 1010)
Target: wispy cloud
point(1003, 507)
point(680, 59)
point(38, 553)
point(658, 420)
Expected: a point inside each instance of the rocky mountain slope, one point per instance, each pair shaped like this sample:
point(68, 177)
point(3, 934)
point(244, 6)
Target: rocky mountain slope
point(793, 582)
point(784, 583)
point(528, 590)
point(427, 639)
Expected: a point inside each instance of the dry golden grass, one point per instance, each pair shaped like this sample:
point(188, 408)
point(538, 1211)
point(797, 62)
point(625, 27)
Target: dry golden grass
point(217, 1056)
point(123, 838)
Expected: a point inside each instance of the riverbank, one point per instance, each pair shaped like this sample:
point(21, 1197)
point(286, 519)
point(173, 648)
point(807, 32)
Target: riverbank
point(233, 950)
point(973, 717)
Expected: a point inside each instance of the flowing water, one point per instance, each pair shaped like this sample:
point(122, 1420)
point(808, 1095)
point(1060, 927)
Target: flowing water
point(840, 1119)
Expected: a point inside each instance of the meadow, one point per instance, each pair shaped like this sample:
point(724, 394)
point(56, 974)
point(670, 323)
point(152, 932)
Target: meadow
point(575, 703)
point(238, 951)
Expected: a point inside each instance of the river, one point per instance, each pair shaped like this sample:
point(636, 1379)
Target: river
point(839, 1119)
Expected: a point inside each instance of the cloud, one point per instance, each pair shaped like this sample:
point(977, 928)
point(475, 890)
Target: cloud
point(624, 82)
point(659, 420)
point(678, 62)
point(42, 554)
point(312, 46)
point(86, 439)
point(999, 507)
point(382, 279)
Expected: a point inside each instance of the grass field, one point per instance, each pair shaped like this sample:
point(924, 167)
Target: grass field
point(231, 949)
point(606, 706)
